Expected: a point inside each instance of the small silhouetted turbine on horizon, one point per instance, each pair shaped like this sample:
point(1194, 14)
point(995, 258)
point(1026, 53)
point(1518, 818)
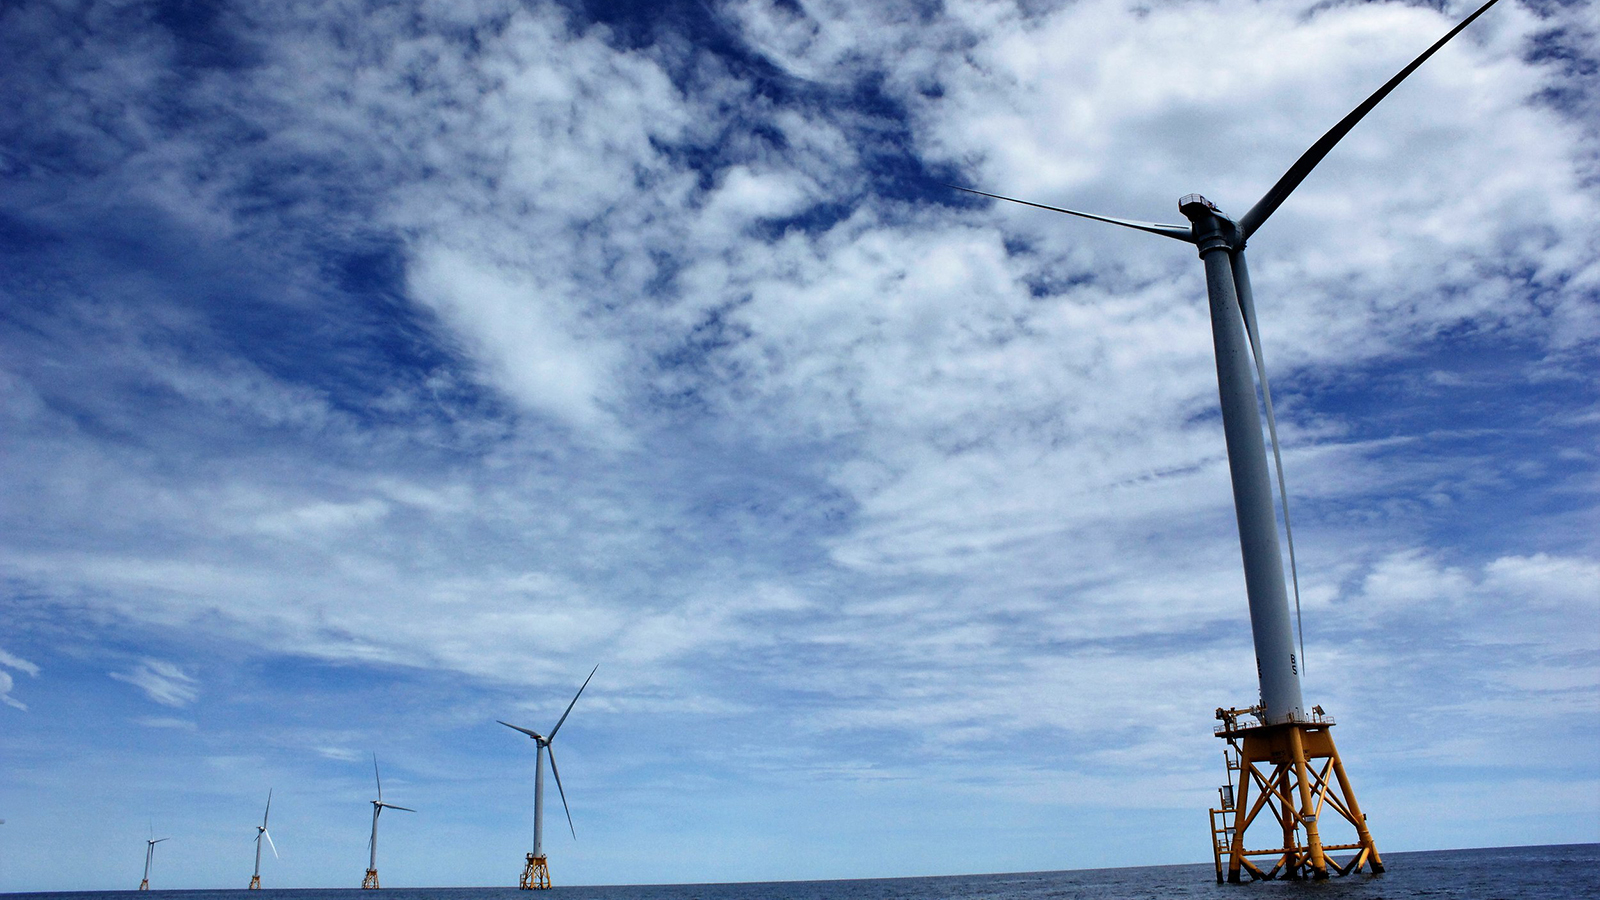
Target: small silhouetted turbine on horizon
point(149, 854)
point(261, 832)
point(378, 806)
point(536, 874)
point(1221, 242)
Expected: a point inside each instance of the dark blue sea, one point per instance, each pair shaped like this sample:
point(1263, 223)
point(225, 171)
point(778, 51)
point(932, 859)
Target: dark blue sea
point(1565, 872)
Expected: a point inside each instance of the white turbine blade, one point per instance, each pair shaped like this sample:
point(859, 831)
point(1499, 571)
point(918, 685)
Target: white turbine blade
point(1247, 307)
point(1178, 232)
point(557, 772)
point(377, 777)
point(269, 808)
point(268, 835)
point(392, 806)
point(1274, 197)
point(159, 840)
point(572, 704)
point(533, 734)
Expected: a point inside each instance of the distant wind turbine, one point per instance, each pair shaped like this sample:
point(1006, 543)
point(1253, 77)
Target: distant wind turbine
point(1284, 738)
point(149, 854)
point(261, 832)
point(378, 806)
point(536, 874)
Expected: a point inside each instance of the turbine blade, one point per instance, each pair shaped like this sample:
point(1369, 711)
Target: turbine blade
point(268, 835)
point(1179, 232)
point(533, 734)
point(569, 708)
point(377, 777)
point(557, 772)
point(269, 808)
point(401, 808)
point(1273, 198)
point(1247, 307)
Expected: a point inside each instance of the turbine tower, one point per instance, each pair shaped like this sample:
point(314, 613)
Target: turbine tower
point(261, 832)
point(149, 854)
point(378, 806)
point(536, 873)
point(1285, 754)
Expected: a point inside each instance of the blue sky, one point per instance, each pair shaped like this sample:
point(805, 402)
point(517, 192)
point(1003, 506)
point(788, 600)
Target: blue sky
point(371, 371)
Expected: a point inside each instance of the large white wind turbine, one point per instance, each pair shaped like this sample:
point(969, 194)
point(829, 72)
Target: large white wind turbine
point(378, 806)
point(536, 873)
point(1295, 751)
point(149, 854)
point(261, 832)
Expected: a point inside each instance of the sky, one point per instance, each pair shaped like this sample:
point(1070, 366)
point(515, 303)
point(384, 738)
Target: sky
point(370, 371)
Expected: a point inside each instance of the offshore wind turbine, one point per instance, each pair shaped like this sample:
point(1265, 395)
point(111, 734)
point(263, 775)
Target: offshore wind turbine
point(261, 832)
point(378, 806)
point(536, 872)
point(149, 854)
point(1277, 753)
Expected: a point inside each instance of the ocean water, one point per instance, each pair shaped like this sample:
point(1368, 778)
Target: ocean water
point(1564, 872)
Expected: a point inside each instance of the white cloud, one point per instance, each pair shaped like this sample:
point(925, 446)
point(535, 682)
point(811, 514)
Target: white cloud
point(1543, 579)
point(166, 722)
point(13, 661)
point(520, 328)
point(7, 683)
point(318, 518)
point(162, 682)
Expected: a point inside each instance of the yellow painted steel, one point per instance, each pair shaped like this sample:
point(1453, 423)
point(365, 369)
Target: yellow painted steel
point(535, 875)
point(1279, 764)
point(370, 882)
point(255, 883)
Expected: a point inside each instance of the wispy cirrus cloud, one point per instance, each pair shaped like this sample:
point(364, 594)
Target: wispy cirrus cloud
point(167, 722)
point(7, 683)
point(161, 681)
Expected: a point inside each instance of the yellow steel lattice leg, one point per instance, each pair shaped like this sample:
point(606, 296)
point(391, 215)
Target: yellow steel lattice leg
point(1369, 850)
point(371, 880)
point(1307, 817)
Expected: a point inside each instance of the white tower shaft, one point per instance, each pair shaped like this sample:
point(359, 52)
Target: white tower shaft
point(538, 800)
point(372, 862)
point(1270, 627)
